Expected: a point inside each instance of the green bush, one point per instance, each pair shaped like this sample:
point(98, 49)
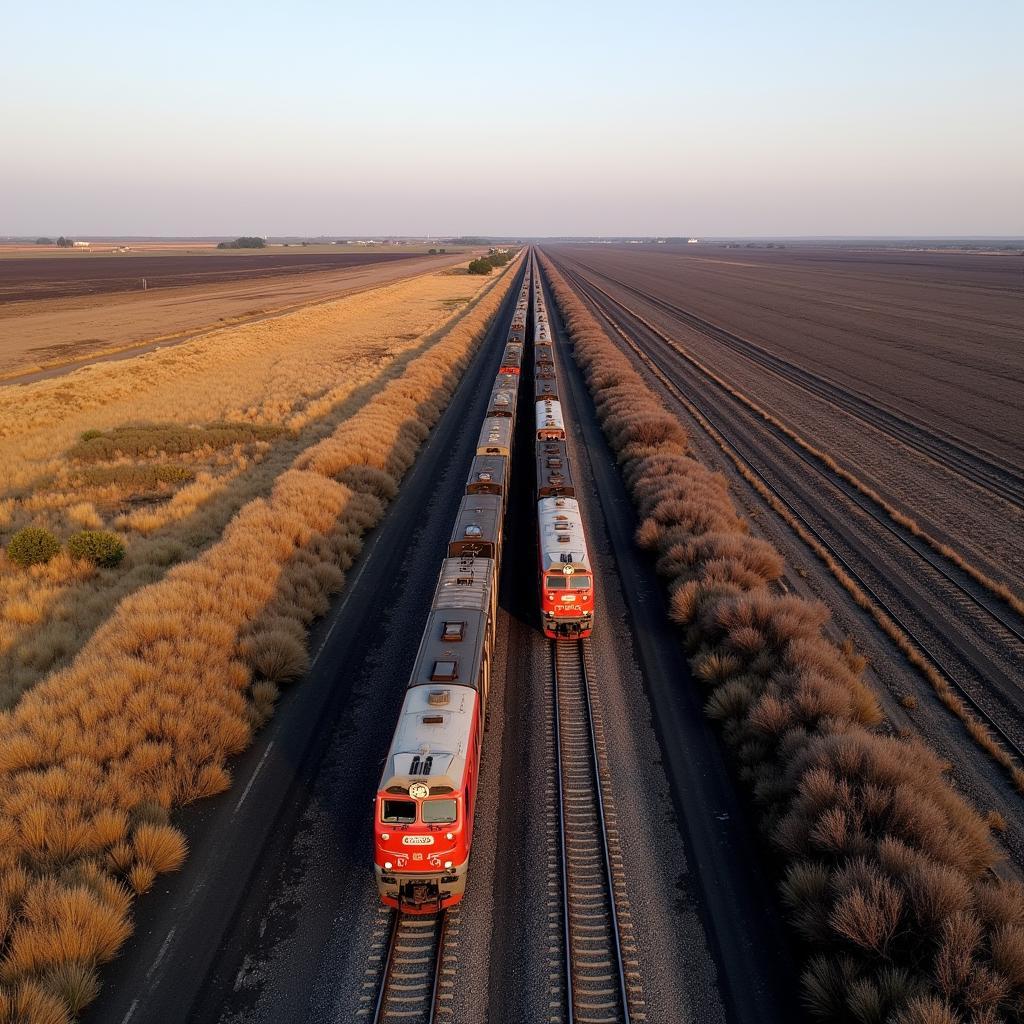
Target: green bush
point(32, 546)
point(172, 438)
point(144, 477)
point(480, 266)
point(98, 546)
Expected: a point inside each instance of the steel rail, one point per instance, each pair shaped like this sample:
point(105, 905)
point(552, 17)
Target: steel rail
point(381, 1013)
point(587, 714)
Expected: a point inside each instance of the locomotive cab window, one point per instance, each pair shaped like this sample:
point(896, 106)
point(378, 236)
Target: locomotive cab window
point(557, 583)
point(447, 670)
point(398, 812)
point(579, 582)
point(438, 812)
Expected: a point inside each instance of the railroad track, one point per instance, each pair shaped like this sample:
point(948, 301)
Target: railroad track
point(600, 967)
point(982, 468)
point(413, 986)
point(1006, 692)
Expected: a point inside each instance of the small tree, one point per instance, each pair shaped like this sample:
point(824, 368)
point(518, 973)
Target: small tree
point(431, 252)
point(480, 266)
point(32, 546)
point(44, 241)
point(101, 547)
point(65, 243)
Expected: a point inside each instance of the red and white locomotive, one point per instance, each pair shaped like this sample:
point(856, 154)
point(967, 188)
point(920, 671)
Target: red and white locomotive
point(423, 812)
point(565, 573)
point(567, 578)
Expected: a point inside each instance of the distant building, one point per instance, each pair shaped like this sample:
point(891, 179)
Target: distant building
point(80, 245)
point(692, 241)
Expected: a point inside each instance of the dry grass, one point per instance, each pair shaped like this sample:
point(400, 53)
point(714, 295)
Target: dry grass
point(885, 868)
point(167, 447)
point(143, 720)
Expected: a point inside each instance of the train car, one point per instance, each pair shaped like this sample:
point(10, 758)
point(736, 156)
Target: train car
point(495, 436)
point(503, 395)
point(566, 576)
point(554, 476)
point(477, 530)
point(546, 387)
point(512, 360)
point(424, 807)
point(488, 475)
point(550, 426)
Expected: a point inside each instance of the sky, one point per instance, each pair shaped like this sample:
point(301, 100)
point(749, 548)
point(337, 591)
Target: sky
point(534, 119)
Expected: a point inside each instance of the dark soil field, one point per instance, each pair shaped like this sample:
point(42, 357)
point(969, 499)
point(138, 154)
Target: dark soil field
point(28, 278)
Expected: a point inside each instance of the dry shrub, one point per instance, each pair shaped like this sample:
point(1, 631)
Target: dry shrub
point(886, 869)
point(94, 758)
point(162, 847)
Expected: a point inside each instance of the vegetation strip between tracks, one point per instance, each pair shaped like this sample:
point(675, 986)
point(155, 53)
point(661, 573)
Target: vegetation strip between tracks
point(979, 724)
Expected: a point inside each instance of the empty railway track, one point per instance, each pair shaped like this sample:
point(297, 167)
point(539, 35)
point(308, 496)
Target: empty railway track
point(413, 986)
point(984, 634)
point(601, 976)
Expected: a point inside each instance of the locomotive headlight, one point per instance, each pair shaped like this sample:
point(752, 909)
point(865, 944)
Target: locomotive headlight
point(384, 836)
point(448, 865)
point(388, 865)
point(449, 835)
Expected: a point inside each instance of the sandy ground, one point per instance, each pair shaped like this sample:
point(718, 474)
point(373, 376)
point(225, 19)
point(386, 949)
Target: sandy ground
point(56, 332)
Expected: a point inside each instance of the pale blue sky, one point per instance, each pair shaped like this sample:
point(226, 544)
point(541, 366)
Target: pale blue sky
point(571, 118)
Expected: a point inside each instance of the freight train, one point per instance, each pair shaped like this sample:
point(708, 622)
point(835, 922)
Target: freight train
point(424, 806)
point(566, 577)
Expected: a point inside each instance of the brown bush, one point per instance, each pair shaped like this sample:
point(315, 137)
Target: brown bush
point(885, 867)
point(94, 757)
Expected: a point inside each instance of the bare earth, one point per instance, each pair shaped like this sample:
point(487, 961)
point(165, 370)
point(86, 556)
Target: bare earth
point(48, 333)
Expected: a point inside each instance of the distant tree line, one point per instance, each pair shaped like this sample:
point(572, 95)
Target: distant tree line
point(245, 242)
point(62, 242)
point(495, 258)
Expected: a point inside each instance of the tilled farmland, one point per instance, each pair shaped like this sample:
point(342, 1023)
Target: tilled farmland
point(28, 278)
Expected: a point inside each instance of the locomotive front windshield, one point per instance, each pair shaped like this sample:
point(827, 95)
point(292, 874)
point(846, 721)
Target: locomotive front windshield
point(398, 812)
point(557, 583)
point(438, 812)
point(579, 582)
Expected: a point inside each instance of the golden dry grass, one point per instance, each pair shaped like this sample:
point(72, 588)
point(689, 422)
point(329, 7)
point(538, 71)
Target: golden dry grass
point(53, 332)
point(885, 868)
point(167, 447)
point(144, 719)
